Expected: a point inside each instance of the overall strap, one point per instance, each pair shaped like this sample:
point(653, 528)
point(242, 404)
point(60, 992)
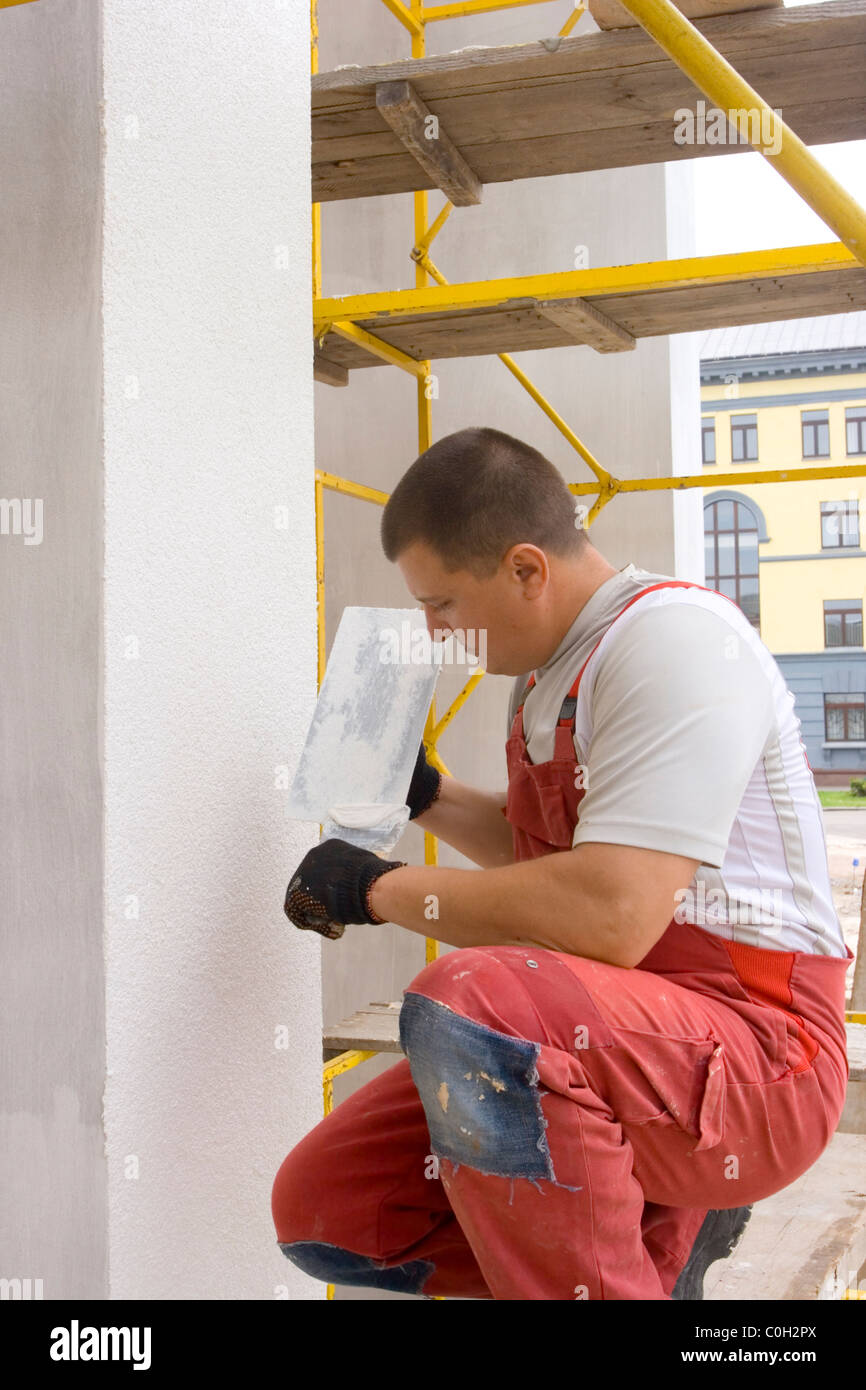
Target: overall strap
point(569, 704)
point(567, 708)
point(526, 689)
point(650, 589)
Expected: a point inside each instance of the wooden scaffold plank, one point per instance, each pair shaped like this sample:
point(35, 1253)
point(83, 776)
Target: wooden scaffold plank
point(609, 14)
point(586, 324)
point(374, 1029)
point(419, 130)
point(598, 101)
point(722, 291)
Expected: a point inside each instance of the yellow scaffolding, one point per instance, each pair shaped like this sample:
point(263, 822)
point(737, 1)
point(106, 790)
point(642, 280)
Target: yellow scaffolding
point(724, 87)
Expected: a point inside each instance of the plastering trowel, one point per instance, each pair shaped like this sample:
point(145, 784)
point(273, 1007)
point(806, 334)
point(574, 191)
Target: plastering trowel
point(362, 744)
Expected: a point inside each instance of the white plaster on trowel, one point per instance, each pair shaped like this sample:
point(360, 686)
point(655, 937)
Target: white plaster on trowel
point(366, 729)
point(370, 825)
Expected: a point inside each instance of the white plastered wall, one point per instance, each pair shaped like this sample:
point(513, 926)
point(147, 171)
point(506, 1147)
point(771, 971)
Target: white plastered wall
point(210, 638)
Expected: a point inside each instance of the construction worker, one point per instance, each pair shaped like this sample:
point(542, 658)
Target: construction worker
point(641, 1031)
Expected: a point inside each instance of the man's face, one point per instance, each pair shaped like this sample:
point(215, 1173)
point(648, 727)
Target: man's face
point(493, 613)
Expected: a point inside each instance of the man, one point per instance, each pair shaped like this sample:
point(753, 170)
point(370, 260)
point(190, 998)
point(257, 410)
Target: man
point(642, 1030)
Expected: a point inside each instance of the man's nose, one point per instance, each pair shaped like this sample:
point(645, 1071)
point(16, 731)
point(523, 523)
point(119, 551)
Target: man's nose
point(435, 623)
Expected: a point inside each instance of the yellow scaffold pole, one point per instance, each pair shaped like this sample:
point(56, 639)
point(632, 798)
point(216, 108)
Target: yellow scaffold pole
point(724, 86)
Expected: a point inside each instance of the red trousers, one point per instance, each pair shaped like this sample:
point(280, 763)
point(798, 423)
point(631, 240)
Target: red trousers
point(560, 1126)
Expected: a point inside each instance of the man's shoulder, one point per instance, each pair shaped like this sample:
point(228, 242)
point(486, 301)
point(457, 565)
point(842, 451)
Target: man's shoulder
point(662, 619)
point(669, 608)
point(685, 645)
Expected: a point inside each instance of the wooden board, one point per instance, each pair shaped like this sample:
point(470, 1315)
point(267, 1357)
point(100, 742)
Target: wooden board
point(609, 14)
point(409, 118)
point(856, 1051)
point(807, 1241)
point(381, 1020)
point(853, 1120)
point(518, 326)
point(600, 101)
point(374, 1029)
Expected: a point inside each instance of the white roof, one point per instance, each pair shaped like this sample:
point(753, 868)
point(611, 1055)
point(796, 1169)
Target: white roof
point(791, 335)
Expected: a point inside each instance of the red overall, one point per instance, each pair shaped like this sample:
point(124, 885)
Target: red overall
point(560, 1126)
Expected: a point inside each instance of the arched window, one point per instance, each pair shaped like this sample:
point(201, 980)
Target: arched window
point(731, 548)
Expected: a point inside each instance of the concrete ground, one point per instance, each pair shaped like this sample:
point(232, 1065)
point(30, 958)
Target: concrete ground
point(846, 841)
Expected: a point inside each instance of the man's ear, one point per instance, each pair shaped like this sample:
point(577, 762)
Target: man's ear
point(531, 567)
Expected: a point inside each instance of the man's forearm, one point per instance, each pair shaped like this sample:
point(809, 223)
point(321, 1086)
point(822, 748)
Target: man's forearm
point(532, 903)
point(472, 822)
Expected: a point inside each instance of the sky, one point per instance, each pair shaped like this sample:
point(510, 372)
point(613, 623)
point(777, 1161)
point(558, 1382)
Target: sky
point(743, 204)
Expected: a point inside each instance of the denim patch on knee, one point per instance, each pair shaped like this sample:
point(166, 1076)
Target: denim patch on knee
point(338, 1266)
point(479, 1089)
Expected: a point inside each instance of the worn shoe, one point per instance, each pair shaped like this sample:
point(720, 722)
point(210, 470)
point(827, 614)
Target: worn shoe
point(718, 1236)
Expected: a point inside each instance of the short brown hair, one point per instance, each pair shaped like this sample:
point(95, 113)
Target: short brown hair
point(474, 494)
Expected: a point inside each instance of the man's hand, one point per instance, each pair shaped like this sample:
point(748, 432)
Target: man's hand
point(424, 787)
point(329, 888)
point(469, 820)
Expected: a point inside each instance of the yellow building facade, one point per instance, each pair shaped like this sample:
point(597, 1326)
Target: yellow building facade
point(793, 555)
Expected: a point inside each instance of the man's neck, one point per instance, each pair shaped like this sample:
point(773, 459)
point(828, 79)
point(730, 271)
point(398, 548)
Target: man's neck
point(576, 584)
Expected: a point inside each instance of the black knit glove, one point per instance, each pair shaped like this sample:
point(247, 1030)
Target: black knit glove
point(330, 887)
point(424, 787)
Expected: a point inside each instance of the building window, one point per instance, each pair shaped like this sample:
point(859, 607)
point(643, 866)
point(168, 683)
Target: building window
point(731, 554)
point(708, 441)
point(840, 524)
point(816, 434)
point(855, 429)
point(744, 438)
point(843, 622)
point(845, 718)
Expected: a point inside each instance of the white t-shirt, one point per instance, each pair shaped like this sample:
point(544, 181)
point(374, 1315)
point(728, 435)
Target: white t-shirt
point(686, 741)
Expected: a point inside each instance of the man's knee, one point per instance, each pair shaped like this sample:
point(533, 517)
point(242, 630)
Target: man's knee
point(296, 1190)
point(284, 1204)
point(335, 1265)
point(446, 1006)
point(525, 993)
point(446, 975)
point(494, 985)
